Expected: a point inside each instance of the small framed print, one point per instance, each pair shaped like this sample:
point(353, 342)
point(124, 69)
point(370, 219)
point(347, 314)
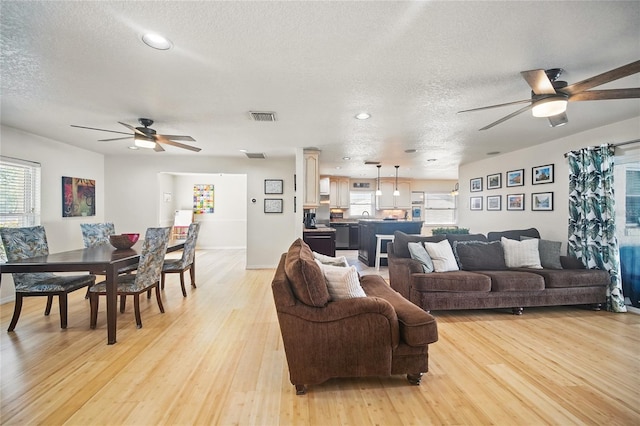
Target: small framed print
point(515, 178)
point(273, 205)
point(542, 201)
point(475, 203)
point(273, 186)
point(494, 181)
point(515, 202)
point(476, 184)
point(494, 202)
point(542, 174)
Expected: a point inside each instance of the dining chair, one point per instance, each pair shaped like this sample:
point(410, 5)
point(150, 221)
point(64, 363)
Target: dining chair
point(186, 262)
point(96, 233)
point(23, 243)
point(146, 278)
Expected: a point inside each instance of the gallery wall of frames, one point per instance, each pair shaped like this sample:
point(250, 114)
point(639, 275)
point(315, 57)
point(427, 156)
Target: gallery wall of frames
point(526, 190)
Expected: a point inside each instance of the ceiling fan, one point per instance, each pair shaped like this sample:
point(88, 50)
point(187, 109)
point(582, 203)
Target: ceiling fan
point(549, 96)
point(146, 137)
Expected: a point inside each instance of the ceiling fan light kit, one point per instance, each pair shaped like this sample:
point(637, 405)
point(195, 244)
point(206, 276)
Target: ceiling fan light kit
point(549, 107)
point(142, 142)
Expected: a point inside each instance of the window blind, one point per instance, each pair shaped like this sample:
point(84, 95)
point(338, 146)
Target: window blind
point(20, 192)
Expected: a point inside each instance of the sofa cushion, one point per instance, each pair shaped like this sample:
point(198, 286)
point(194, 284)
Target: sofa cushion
point(441, 255)
point(419, 253)
point(401, 241)
point(567, 278)
point(521, 254)
point(549, 253)
point(465, 237)
point(457, 281)
point(514, 281)
point(307, 280)
point(514, 234)
point(342, 282)
point(479, 255)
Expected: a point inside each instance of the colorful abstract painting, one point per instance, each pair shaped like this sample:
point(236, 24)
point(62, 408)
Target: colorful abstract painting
point(203, 198)
point(78, 197)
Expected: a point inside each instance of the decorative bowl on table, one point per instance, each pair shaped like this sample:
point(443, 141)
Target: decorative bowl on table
point(123, 241)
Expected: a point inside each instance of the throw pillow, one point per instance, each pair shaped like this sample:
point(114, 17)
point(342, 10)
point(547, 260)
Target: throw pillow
point(549, 253)
point(307, 280)
point(401, 242)
point(479, 255)
point(328, 260)
point(521, 254)
point(419, 253)
point(342, 283)
point(442, 257)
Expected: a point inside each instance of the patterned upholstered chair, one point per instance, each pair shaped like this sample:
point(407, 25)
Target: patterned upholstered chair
point(96, 233)
point(148, 276)
point(186, 262)
point(23, 243)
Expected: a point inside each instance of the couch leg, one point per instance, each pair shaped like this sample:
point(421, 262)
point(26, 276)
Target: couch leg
point(414, 378)
point(301, 389)
point(596, 306)
point(516, 311)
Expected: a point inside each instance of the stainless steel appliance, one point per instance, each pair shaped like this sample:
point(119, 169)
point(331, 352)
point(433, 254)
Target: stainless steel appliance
point(310, 220)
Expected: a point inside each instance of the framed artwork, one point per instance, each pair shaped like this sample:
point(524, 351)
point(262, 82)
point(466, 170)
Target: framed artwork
point(475, 203)
point(542, 201)
point(515, 178)
point(78, 197)
point(494, 202)
point(476, 184)
point(273, 205)
point(273, 186)
point(203, 198)
point(542, 174)
point(515, 202)
point(494, 181)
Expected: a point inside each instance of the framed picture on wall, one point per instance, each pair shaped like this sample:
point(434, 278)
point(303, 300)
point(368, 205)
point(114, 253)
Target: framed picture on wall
point(273, 186)
point(515, 178)
point(515, 202)
point(542, 174)
point(475, 203)
point(494, 181)
point(273, 205)
point(542, 201)
point(494, 202)
point(475, 184)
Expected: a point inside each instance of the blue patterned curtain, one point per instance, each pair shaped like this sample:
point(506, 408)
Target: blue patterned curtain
point(592, 225)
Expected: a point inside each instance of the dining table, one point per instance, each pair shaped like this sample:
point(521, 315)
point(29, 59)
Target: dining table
point(103, 257)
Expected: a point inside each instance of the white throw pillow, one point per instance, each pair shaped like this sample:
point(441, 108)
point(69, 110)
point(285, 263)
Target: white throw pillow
point(328, 260)
point(521, 254)
point(342, 282)
point(442, 256)
point(419, 253)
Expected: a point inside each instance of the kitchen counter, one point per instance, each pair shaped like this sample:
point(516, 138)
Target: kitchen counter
point(320, 229)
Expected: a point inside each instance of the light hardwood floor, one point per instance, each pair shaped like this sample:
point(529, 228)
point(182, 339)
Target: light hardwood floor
point(216, 357)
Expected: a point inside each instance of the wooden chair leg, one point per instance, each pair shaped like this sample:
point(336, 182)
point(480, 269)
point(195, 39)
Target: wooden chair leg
point(149, 293)
point(16, 312)
point(162, 280)
point(62, 301)
point(123, 302)
point(136, 309)
point(184, 291)
point(93, 301)
point(47, 309)
point(159, 299)
point(192, 273)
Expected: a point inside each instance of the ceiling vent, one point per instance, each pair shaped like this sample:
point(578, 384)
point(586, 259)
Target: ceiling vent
point(372, 162)
point(263, 115)
point(255, 155)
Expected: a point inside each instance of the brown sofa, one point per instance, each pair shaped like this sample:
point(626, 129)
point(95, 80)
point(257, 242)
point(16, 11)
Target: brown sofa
point(482, 289)
point(379, 335)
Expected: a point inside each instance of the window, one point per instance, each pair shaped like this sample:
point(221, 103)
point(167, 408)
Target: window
point(440, 209)
point(20, 195)
point(632, 196)
point(360, 203)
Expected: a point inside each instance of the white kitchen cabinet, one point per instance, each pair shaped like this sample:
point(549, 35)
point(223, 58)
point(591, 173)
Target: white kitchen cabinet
point(324, 186)
point(339, 193)
point(387, 201)
point(311, 194)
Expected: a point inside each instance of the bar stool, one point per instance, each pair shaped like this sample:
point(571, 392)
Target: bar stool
point(380, 255)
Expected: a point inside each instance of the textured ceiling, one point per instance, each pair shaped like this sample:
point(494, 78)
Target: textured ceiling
point(411, 65)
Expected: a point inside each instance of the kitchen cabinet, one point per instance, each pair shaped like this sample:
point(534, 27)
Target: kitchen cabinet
point(324, 186)
point(370, 227)
point(387, 201)
point(339, 193)
point(311, 184)
point(321, 240)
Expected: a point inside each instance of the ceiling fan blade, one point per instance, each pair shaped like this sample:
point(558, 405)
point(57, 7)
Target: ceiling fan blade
point(133, 129)
point(102, 130)
point(162, 139)
point(158, 148)
point(496, 106)
point(597, 95)
point(539, 82)
point(114, 139)
point(606, 77)
point(505, 118)
point(179, 138)
point(558, 120)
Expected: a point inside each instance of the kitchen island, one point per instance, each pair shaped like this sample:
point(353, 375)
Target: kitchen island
point(370, 227)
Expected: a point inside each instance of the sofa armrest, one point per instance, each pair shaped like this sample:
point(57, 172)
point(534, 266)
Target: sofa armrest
point(342, 309)
point(400, 271)
point(571, 262)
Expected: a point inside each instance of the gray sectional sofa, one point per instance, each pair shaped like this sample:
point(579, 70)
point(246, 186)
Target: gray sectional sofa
point(484, 281)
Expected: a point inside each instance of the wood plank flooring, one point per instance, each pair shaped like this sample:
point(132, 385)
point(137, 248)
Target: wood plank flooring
point(216, 357)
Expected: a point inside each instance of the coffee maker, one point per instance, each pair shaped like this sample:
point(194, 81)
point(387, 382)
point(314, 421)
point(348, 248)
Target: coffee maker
point(309, 220)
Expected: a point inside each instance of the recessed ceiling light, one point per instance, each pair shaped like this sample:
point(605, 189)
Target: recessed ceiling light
point(363, 116)
point(410, 151)
point(157, 41)
point(243, 150)
point(493, 153)
point(133, 147)
point(346, 158)
point(432, 159)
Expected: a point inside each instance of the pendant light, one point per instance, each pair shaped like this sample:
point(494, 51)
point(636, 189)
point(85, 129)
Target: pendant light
point(378, 192)
point(396, 192)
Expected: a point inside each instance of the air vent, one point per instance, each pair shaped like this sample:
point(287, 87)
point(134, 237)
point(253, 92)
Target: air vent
point(255, 155)
point(262, 115)
point(372, 162)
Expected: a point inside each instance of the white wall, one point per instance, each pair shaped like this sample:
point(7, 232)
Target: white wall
point(551, 224)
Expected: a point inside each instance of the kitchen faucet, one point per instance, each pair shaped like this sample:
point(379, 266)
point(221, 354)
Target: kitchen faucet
point(365, 212)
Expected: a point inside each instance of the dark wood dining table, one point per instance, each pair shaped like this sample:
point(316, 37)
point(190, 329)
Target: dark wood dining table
point(103, 257)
